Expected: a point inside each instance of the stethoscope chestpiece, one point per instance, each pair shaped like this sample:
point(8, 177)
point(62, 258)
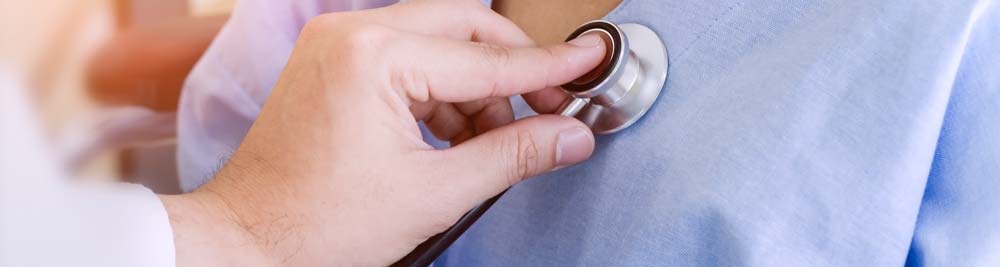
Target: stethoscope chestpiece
point(610, 98)
point(625, 85)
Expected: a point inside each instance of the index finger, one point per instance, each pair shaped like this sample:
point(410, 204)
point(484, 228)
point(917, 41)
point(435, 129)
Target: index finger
point(466, 20)
point(455, 71)
point(473, 21)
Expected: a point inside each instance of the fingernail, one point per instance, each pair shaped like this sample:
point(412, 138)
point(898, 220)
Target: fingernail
point(573, 146)
point(587, 40)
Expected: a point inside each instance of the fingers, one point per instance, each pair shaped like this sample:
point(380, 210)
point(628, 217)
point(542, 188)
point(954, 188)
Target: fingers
point(491, 162)
point(455, 71)
point(545, 101)
point(488, 114)
point(460, 121)
point(470, 20)
point(460, 20)
point(466, 20)
point(445, 121)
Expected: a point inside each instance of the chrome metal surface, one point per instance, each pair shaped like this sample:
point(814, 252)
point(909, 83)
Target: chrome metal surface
point(612, 101)
point(631, 87)
point(572, 106)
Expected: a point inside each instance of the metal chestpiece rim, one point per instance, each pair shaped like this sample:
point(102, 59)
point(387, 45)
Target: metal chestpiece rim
point(618, 59)
point(630, 84)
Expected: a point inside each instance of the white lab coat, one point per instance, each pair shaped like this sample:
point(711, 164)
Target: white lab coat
point(48, 220)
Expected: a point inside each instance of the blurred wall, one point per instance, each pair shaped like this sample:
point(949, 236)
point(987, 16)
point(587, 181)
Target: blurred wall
point(47, 44)
point(210, 7)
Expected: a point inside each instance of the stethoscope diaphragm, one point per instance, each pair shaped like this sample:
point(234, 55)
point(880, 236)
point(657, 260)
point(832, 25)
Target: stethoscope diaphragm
point(609, 99)
point(627, 82)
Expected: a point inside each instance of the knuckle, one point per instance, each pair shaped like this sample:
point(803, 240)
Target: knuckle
point(413, 82)
point(527, 154)
point(495, 55)
point(496, 59)
point(344, 39)
point(365, 37)
point(361, 47)
point(524, 155)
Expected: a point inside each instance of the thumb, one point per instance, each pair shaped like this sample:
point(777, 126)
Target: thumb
point(502, 157)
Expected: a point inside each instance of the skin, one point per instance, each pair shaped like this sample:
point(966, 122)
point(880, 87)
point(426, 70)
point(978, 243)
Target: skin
point(334, 170)
point(548, 22)
point(176, 45)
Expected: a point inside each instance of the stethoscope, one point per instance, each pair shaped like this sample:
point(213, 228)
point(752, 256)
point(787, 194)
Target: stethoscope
point(611, 98)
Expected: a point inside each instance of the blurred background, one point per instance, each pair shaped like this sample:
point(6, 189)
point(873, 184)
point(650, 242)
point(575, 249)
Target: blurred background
point(106, 75)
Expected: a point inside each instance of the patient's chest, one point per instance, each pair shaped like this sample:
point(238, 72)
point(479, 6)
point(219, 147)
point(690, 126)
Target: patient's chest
point(782, 125)
point(550, 21)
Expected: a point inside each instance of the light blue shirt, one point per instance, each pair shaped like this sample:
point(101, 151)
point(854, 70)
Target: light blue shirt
point(794, 133)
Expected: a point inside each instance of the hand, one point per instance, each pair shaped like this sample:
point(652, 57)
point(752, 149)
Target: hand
point(334, 170)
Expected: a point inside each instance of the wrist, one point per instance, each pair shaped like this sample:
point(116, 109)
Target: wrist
point(206, 235)
point(261, 207)
point(280, 218)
